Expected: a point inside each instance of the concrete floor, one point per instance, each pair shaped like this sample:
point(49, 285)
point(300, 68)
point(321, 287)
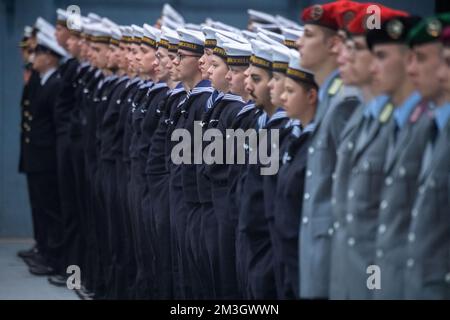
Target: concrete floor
point(16, 283)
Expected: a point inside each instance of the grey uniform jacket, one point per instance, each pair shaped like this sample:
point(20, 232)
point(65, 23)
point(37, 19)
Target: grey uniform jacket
point(401, 170)
point(428, 261)
point(334, 110)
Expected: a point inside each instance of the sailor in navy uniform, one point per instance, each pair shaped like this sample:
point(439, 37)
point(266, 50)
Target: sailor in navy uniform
point(152, 113)
point(39, 156)
point(287, 205)
point(254, 245)
point(106, 120)
point(157, 170)
point(183, 188)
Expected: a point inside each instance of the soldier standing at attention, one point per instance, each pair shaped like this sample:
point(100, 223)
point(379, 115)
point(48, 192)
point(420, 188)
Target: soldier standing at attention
point(318, 48)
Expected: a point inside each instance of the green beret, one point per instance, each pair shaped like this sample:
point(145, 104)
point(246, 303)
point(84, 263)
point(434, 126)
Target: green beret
point(428, 30)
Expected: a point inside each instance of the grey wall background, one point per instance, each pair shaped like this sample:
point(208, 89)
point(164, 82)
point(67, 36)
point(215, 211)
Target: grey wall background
point(15, 217)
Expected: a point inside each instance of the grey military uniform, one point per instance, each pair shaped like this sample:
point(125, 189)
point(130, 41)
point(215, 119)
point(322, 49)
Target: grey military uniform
point(335, 108)
point(338, 272)
point(402, 167)
point(358, 176)
point(363, 198)
point(428, 256)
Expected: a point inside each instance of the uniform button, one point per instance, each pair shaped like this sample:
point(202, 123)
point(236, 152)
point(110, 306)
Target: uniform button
point(384, 205)
point(26, 113)
point(334, 176)
point(432, 183)
point(389, 181)
point(410, 263)
point(349, 217)
point(402, 171)
point(305, 220)
point(30, 118)
point(447, 277)
point(336, 225)
point(415, 213)
point(379, 253)
point(311, 150)
point(422, 189)
point(351, 194)
point(350, 145)
point(307, 196)
point(330, 231)
point(411, 237)
point(351, 242)
point(27, 140)
point(333, 201)
point(382, 228)
point(274, 146)
point(309, 173)
point(366, 165)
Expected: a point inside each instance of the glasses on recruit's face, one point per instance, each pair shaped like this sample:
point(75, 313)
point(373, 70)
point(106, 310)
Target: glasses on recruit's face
point(180, 56)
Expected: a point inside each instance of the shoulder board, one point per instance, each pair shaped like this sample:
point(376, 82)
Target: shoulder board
point(420, 109)
point(335, 86)
point(387, 112)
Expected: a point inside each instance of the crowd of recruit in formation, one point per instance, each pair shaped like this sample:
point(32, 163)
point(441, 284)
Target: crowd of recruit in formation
point(354, 102)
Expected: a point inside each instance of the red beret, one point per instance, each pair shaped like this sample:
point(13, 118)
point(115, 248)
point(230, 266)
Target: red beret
point(323, 15)
point(345, 13)
point(358, 25)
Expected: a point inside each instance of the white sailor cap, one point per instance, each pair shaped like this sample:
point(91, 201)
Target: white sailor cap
point(280, 58)
point(262, 56)
point(108, 23)
point(191, 40)
point(172, 24)
point(27, 31)
point(291, 36)
point(49, 43)
point(94, 17)
point(249, 35)
point(170, 12)
point(61, 17)
point(44, 26)
point(222, 26)
point(238, 54)
point(127, 34)
point(150, 36)
point(270, 27)
point(210, 36)
point(116, 35)
point(219, 49)
point(193, 26)
point(259, 16)
point(272, 35)
point(169, 39)
point(286, 23)
point(99, 33)
point(296, 71)
point(138, 33)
